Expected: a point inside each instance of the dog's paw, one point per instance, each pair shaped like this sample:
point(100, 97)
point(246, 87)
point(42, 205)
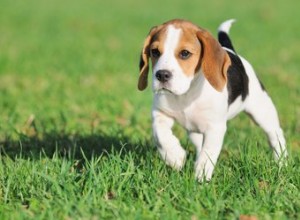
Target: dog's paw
point(174, 157)
point(203, 171)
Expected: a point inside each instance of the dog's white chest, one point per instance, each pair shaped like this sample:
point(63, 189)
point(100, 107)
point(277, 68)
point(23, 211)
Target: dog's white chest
point(194, 116)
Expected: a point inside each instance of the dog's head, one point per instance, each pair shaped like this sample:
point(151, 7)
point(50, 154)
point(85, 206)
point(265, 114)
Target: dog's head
point(179, 50)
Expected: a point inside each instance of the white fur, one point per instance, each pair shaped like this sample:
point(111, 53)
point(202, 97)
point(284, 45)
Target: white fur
point(226, 25)
point(260, 106)
point(203, 112)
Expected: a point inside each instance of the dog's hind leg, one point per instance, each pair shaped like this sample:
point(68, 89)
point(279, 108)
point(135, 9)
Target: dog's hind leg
point(261, 108)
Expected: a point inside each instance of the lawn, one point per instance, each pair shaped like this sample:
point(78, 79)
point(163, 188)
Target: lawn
point(75, 133)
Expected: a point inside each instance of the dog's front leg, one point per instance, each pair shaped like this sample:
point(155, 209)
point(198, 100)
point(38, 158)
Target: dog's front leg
point(168, 145)
point(197, 140)
point(207, 158)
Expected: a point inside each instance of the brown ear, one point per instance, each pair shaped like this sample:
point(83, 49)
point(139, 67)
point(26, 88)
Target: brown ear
point(144, 60)
point(214, 60)
point(144, 64)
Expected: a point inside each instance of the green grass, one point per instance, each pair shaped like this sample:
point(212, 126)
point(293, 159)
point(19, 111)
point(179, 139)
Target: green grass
point(75, 134)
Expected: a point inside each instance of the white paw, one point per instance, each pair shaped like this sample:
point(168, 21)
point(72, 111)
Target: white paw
point(203, 171)
point(174, 157)
point(281, 158)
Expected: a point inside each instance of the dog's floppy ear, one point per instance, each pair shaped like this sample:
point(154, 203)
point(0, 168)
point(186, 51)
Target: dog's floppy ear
point(214, 61)
point(144, 60)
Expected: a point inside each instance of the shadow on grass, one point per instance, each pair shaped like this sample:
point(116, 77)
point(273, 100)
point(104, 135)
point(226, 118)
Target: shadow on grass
point(71, 146)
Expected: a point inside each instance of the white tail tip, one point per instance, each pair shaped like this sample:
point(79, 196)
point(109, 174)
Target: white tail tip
point(225, 26)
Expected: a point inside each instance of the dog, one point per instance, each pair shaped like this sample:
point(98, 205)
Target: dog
point(201, 82)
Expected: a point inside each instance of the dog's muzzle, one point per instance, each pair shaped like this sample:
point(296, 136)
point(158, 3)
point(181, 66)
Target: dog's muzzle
point(163, 75)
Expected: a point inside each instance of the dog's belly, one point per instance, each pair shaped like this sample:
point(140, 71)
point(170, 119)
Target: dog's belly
point(195, 122)
point(188, 121)
point(235, 108)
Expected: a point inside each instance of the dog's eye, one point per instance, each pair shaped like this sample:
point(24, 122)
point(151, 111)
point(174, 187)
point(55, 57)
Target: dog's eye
point(155, 53)
point(184, 54)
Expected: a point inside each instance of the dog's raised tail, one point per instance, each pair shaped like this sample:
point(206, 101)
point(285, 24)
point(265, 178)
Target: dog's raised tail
point(223, 34)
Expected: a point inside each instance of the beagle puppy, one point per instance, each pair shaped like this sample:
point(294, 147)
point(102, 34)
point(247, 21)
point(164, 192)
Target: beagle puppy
point(201, 83)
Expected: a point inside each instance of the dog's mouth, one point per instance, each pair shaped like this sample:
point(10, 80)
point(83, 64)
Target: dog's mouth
point(163, 91)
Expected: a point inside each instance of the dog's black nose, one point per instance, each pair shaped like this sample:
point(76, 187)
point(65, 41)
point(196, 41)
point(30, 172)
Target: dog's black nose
point(163, 75)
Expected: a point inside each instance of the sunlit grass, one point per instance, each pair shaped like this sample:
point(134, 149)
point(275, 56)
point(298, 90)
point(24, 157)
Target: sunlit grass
point(75, 134)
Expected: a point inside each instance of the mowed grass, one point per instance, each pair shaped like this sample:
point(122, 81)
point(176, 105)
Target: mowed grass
point(75, 134)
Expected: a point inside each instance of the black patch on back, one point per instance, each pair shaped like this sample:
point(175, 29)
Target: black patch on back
point(225, 41)
point(238, 82)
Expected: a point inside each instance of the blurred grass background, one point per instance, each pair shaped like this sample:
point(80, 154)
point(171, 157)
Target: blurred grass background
point(68, 70)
